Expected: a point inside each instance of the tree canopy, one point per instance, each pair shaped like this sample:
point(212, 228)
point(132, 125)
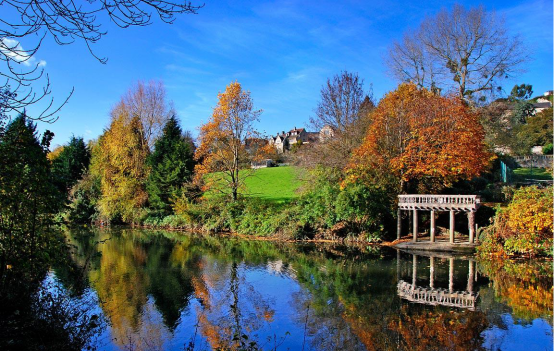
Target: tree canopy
point(69, 165)
point(171, 164)
point(344, 108)
point(121, 165)
point(28, 201)
point(421, 141)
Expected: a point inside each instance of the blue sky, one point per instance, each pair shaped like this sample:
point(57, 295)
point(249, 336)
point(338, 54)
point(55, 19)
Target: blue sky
point(281, 51)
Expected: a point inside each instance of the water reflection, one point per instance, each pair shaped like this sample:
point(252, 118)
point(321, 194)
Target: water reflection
point(168, 291)
point(433, 295)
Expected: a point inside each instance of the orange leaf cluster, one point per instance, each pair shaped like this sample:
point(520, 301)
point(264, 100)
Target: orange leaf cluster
point(416, 134)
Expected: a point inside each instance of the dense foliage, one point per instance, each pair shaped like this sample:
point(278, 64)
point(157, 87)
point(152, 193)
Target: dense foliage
point(33, 316)
point(525, 226)
point(423, 140)
point(122, 168)
point(171, 164)
point(28, 201)
point(69, 165)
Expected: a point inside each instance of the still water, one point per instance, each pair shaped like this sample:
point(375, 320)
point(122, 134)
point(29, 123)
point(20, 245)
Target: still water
point(160, 290)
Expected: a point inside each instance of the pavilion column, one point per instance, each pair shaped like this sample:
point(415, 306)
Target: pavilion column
point(414, 266)
point(470, 285)
point(415, 225)
point(432, 271)
point(451, 274)
point(471, 226)
point(451, 226)
point(432, 226)
point(398, 265)
point(398, 224)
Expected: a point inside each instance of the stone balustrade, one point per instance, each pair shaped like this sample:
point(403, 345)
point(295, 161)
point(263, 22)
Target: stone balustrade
point(466, 203)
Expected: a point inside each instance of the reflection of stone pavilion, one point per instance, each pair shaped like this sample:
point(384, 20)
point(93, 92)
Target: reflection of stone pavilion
point(433, 295)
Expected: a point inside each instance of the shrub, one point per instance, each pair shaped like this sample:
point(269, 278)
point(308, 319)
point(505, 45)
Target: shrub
point(525, 226)
point(548, 149)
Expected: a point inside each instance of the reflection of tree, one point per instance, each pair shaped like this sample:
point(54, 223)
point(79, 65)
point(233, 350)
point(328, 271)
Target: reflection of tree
point(146, 280)
point(439, 329)
point(230, 309)
point(170, 273)
point(82, 254)
point(525, 286)
point(134, 266)
point(354, 303)
point(120, 283)
point(324, 326)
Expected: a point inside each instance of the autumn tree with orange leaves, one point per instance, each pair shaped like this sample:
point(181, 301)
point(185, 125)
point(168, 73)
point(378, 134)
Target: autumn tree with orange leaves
point(420, 142)
point(228, 143)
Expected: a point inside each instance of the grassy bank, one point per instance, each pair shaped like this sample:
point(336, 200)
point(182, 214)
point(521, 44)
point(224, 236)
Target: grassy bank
point(275, 184)
point(523, 174)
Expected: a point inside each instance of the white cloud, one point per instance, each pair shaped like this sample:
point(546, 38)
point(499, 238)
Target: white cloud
point(13, 50)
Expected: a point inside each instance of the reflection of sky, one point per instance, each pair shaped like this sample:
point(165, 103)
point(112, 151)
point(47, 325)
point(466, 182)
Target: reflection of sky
point(276, 287)
point(279, 289)
point(273, 283)
point(537, 335)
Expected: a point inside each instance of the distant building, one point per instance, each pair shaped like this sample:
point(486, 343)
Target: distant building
point(284, 141)
point(540, 106)
point(326, 133)
point(262, 163)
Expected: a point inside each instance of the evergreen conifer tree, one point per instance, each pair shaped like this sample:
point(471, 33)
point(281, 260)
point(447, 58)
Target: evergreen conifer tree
point(71, 163)
point(171, 165)
point(28, 200)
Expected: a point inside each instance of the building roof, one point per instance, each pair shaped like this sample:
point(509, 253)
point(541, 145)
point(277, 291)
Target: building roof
point(296, 130)
point(542, 105)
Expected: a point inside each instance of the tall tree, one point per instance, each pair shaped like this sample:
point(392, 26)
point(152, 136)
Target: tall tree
point(172, 164)
point(422, 140)
point(28, 200)
point(537, 131)
point(521, 92)
point(222, 151)
point(147, 102)
point(465, 50)
point(344, 107)
point(70, 164)
point(64, 21)
point(122, 167)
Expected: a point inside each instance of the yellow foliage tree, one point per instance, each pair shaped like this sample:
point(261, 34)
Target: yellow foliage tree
point(229, 143)
point(122, 152)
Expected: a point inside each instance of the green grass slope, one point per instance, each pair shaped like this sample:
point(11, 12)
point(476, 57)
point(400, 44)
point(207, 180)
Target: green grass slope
point(521, 174)
point(276, 184)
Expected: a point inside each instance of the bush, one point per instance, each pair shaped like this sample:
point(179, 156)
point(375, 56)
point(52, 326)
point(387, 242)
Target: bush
point(356, 210)
point(548, 149)
point(525, 226)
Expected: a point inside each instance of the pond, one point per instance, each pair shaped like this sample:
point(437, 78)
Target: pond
point(161, 290)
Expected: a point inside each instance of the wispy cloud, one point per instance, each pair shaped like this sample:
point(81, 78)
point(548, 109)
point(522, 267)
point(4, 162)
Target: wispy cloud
point(13, 50)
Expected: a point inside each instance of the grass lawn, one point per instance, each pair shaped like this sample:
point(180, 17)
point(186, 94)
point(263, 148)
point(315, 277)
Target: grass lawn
point(521, 174)
point(275, 184)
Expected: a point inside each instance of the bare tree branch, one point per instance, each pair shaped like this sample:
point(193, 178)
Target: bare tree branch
point(64, 21)
point(464, 50)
